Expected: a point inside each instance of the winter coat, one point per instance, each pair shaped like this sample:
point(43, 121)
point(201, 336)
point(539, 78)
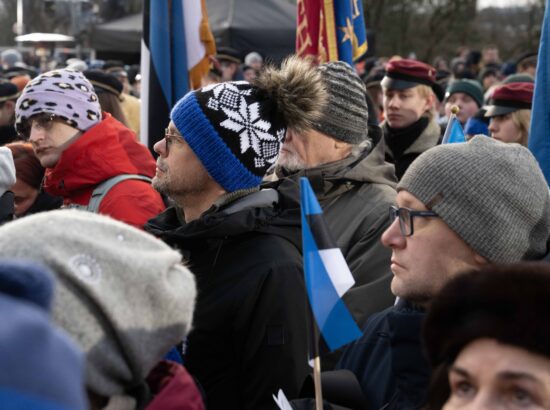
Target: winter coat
point(249, 336)
point(104, 151)
point(355, 194)
point(173, 388)
point(388, 359)
point(420, 136)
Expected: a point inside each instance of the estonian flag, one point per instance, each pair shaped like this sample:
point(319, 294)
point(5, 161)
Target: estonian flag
point(327, 275)
point(539, 134)
point(175, 47)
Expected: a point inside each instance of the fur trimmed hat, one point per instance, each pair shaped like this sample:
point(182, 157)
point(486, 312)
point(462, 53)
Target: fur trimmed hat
point(65, 93)
point(236, 128)
point(507, 303)
point(121, 293)
point(493, 195)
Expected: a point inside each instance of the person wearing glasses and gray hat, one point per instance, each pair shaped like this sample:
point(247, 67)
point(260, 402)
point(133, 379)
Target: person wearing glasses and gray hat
point(456, 211)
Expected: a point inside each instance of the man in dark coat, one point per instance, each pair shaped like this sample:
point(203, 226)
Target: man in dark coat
point(354, 185)
point(461, 206)
point(410, 127)
point(242, 243)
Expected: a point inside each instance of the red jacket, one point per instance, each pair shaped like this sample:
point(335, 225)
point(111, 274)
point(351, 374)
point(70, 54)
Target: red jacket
point(173, 388)
point(104, 151)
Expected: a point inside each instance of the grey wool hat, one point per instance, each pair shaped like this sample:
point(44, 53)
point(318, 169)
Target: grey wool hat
point(346, 113)
point(122, 294)
point(492, 194)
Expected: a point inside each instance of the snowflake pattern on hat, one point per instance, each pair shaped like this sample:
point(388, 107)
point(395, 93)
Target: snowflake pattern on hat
point(244, 119)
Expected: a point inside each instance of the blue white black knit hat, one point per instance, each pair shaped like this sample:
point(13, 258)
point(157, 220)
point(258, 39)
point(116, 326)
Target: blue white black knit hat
point(236, 128)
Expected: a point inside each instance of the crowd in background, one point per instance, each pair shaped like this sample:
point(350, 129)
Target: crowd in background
point(130, 280)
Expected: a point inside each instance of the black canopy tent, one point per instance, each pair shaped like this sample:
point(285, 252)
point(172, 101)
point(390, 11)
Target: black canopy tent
point(266, 26)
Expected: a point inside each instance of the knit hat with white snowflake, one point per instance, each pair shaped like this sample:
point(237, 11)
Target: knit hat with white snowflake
point(236, 128)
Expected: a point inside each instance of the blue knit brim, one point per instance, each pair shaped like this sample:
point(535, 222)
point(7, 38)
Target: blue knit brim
point(475, 127)
point(218, 159)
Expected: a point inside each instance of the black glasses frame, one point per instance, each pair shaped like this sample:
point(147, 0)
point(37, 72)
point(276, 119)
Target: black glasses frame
point(406, 218)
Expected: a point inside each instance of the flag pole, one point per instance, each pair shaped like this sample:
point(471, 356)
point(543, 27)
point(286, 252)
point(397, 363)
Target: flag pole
point(317, 382)
point(454, 111)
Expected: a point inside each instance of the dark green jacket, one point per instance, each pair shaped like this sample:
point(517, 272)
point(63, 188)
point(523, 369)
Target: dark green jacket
point(355, 194)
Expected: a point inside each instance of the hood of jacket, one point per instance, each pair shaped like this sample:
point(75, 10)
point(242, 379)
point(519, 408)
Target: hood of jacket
point(105, 150)
point(328, 179)
point(265, 211)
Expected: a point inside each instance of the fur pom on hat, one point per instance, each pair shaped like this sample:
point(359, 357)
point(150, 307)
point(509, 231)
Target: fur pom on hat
point(506, 303)
point(236, 128)
point(121, 293)
point(7, 170)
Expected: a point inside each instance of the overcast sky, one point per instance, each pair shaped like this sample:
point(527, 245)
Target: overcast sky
point(501, 3)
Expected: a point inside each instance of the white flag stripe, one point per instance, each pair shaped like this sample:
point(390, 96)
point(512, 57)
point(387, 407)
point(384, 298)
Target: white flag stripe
point(337, 269)
point(145, 70)
point(192, 14)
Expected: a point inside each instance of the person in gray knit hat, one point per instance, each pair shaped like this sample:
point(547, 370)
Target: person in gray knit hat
point(353, 183)
point(122, 294)
point(460, 207)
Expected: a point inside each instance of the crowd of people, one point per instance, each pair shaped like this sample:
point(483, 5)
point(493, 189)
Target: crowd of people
point(129, 282)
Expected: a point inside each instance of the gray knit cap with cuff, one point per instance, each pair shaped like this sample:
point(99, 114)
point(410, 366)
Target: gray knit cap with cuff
point(346, 113)
point(492, 194)
point(121, 293)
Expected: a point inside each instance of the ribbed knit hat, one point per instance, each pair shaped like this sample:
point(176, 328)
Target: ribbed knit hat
point(7, 170)
point(346, 115)
point(492, 194)
point(121, 293)
point(236, 128)
point(65, 93)
point(466, 86)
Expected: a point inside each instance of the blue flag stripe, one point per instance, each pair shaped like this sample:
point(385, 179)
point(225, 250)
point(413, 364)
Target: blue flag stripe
point(179, 67)
point(336, 324)
point(159, 46)
point(539, 133)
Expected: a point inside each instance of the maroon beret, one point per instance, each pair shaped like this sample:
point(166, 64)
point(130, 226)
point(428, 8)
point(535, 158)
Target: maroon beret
point(403, 74)
point(510, 97)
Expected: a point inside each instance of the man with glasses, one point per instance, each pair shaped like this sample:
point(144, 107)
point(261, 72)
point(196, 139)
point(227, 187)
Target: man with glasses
point(459, 207)
point(249, 336)
point(82, 148)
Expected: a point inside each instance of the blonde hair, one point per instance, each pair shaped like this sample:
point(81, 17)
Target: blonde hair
point(426, 92)
point(522, 119)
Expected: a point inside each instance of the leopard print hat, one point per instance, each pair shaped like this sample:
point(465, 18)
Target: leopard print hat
point(65, 93)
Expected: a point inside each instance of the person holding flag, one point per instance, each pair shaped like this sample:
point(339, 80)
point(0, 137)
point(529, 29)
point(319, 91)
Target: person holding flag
point(242, 242)
point(344, 159)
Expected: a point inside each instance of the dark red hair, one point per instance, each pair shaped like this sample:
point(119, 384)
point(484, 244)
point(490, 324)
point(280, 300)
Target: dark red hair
point(27, 166)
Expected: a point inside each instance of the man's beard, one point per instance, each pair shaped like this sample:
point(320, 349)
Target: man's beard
point(291, 162)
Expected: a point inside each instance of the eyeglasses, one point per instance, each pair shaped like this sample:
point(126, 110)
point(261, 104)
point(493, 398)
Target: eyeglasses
point(40, 122)
point(406, 217)
point(169, 139)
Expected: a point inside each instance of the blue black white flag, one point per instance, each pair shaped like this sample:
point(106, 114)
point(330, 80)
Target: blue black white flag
point(327, 275)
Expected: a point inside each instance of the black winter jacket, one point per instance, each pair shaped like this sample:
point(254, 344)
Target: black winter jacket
point(388, 359)
point(249, 336)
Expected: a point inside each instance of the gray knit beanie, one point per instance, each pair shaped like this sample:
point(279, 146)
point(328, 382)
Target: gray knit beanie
point(346, 114)
point(492, 194)
point(7, 170)
point(120, 292)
